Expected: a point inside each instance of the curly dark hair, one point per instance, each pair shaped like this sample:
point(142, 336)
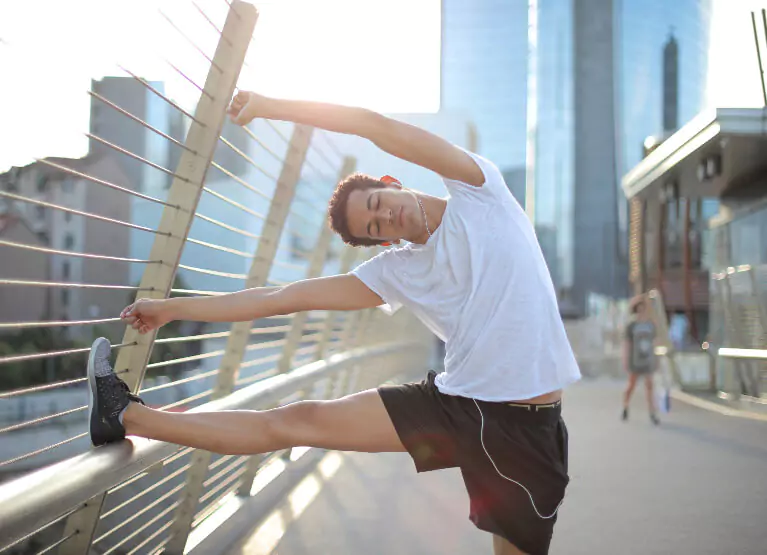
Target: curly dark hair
point(337, 207)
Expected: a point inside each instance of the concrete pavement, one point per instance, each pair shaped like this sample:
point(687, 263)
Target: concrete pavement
point(695, 485)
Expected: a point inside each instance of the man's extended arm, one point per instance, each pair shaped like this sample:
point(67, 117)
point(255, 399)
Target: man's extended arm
point(341, 292)
point(395, 137)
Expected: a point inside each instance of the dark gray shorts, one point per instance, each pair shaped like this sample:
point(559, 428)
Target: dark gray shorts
point(528, 444)
point(642, 370)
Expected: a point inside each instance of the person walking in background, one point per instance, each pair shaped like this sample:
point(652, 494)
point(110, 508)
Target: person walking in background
point(639, 358)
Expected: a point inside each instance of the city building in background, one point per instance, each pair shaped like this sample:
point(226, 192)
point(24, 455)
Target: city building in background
point(598, 261)
point(596, 86)
point(549, 163)
point(515, 181)
point(112, 126)
point(652, 34)
point(699, 211)
point(29, 264)
point(61, 230)
point(484, 66)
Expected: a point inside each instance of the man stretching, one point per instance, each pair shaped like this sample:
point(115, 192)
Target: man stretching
point(470, 269)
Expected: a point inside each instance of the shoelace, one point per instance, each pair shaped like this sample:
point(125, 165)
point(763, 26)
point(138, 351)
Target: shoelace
point(131, 396)
point(136, 399)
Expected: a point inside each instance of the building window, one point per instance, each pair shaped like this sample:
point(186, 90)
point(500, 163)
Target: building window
point(69, 241)
point(42, 184)
point(673, 233)
point(43, 236)
point(67, 216)
point(67, 186)
point(40, 212)
point(65, 271)
point(65, 297)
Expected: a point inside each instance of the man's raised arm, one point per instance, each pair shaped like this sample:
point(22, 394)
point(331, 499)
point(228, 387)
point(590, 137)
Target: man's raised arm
point(395, 137)
point(341, 292)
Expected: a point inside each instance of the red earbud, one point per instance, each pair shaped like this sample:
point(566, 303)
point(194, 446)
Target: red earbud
point(389, 179)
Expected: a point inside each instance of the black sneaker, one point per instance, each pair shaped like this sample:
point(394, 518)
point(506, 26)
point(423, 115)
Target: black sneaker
point(109, 395)
point(625, 415)
point(654, 419)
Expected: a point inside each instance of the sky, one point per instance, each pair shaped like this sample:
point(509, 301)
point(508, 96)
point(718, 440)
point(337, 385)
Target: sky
point(380, 54)
point(733, 77)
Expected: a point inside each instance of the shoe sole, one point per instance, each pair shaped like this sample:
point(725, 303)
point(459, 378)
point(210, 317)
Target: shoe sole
point(92, 389)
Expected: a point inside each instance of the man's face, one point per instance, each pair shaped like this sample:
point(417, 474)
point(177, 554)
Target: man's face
point(384, 214)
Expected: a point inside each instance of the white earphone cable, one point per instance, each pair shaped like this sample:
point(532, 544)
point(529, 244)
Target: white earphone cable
point(482, 440)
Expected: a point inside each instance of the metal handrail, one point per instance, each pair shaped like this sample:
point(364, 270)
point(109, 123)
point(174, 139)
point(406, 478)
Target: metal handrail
point(752, 354)
point(31, 501)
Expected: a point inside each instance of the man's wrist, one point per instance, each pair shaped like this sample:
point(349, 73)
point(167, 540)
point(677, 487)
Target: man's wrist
point(173, 308)
point(271, 108)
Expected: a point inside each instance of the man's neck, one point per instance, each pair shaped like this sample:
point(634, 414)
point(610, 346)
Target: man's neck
point(434, 208)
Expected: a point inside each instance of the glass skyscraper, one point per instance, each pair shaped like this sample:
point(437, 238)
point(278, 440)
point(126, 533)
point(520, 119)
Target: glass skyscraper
point(484, 68)
point(607, 132)
point(550, 133)
point(644, 28)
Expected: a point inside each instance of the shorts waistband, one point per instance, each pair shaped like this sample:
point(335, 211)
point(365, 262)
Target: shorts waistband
point(534, 407)
point(524, 413)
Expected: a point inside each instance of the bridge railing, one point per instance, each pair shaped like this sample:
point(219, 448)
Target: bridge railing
point(740, 309)
point(171, 200)
point(733, 362)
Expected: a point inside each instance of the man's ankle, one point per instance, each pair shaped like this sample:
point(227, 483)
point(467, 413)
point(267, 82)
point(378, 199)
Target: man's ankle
point(128, 416)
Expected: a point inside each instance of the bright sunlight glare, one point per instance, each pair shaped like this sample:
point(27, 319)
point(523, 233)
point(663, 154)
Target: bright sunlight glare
point(380, 54)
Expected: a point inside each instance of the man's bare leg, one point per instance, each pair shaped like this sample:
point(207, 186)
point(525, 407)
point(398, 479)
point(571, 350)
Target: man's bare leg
point(629, 390)
point(357, 422)
point(503, 547)
point(650, 393)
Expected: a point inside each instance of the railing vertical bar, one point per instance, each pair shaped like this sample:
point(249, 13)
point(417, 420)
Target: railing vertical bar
point(82, 527)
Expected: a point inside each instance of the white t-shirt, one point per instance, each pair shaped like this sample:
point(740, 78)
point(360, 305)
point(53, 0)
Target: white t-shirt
point(481, 284)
